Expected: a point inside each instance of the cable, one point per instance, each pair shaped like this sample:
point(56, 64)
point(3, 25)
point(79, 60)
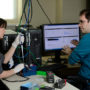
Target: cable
point(27, 21)
point(17, 56)
point(28, 14)
point(31, 12)
point(29, 3)
point(44, 12)
point(26, 78)
point(22, 15)
point(22, 52)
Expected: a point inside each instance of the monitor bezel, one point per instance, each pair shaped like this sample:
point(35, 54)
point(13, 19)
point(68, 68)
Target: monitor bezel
point(56, 24)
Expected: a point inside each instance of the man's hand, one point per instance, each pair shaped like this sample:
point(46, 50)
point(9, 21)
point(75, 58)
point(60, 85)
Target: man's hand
point(19, 40)
point(75, 42)
point(67, 50)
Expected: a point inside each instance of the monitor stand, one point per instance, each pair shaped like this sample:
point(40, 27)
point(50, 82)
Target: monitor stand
point(57, 58)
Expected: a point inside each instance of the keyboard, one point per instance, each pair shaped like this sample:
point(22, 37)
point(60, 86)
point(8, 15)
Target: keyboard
point(52, 67)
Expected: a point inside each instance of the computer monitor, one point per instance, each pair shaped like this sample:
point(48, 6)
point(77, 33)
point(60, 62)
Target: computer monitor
point(56, 36)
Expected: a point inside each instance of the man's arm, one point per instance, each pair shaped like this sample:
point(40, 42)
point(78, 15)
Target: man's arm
point(67, 50)
point(75, 42)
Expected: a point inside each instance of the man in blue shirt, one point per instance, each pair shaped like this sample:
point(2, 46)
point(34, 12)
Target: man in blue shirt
point(82, 52)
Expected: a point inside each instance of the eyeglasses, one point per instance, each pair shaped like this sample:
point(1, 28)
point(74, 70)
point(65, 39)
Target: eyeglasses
point(82, 21)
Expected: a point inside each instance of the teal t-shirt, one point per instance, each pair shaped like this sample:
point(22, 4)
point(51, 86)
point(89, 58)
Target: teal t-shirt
point(82, 53)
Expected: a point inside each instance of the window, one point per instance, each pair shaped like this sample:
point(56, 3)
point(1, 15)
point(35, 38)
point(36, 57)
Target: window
point(10, 10)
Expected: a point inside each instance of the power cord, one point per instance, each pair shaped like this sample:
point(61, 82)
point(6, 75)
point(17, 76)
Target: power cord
point(25, 79)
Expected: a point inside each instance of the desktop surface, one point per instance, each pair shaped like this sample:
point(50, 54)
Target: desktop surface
point(40, 80)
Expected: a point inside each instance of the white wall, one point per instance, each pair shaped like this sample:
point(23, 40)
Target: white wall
point(59, 11)
point(69, 10)
point(39, 17)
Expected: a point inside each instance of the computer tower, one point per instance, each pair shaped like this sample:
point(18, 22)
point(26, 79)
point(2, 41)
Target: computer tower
point(32, 47)
point(33, 42)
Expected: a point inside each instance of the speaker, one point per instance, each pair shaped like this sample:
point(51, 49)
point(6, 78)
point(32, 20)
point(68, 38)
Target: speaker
point(33, 40)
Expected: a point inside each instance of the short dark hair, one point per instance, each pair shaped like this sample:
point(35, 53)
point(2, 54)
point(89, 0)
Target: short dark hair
point(86, 12)
point(3, 23)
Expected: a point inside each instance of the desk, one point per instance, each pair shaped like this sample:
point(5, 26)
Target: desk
point(40, 80)
point(45, 59)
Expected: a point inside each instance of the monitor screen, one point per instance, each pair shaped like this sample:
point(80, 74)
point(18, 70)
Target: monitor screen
point(56, 36)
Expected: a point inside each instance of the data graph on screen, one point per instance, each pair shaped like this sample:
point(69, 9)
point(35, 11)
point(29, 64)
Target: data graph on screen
point(56, 36)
